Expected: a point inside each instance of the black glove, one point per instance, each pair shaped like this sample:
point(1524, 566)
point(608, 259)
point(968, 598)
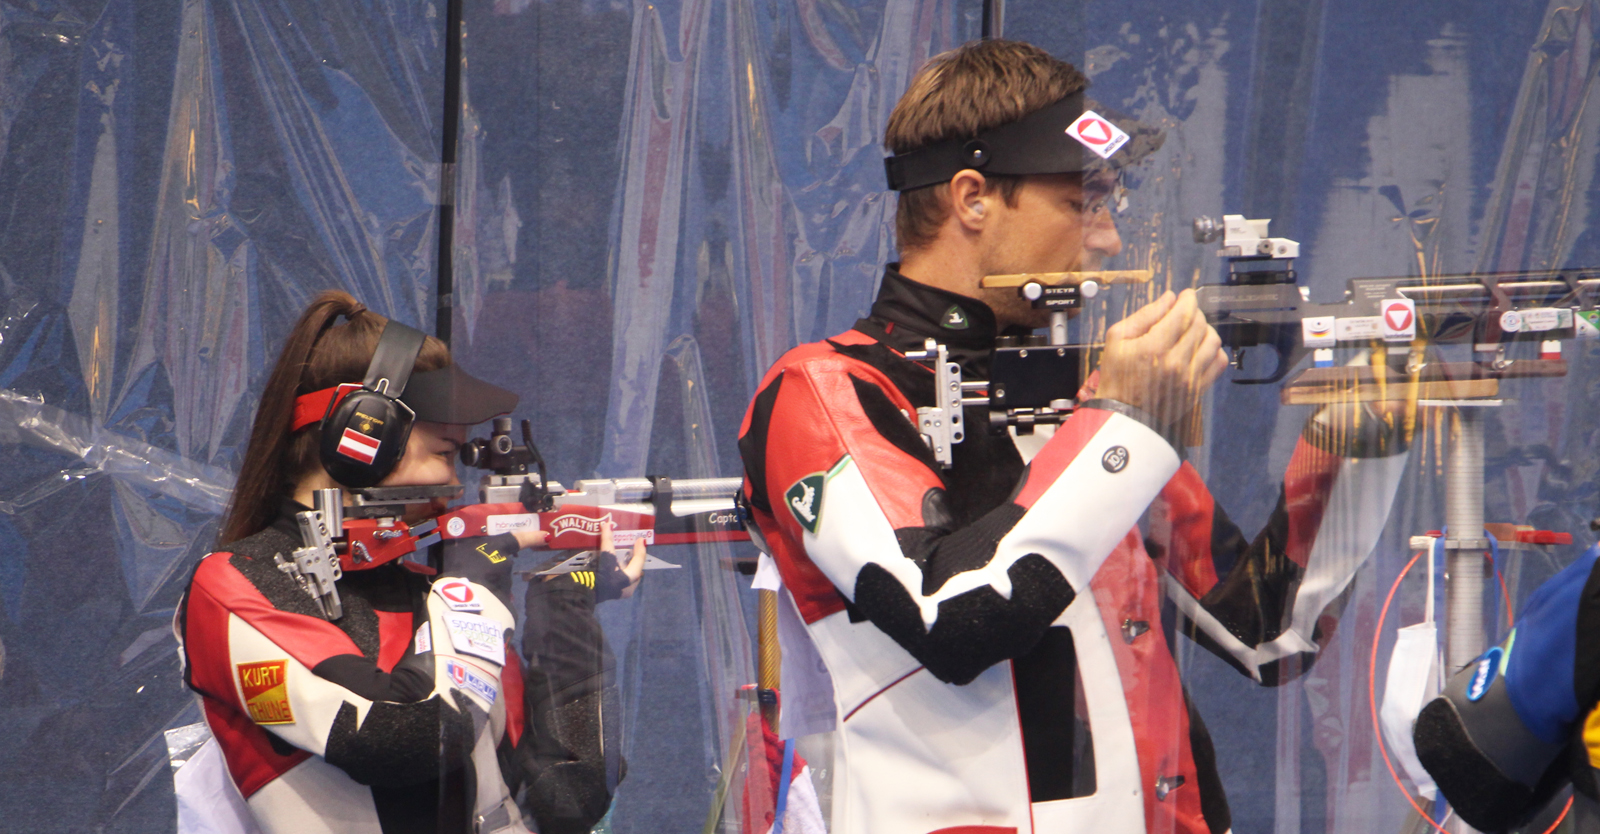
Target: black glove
point(485, 560)
point(609, 579)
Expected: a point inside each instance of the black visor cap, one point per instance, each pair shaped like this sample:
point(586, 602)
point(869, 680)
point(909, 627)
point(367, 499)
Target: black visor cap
point(451, 395)
point(1037, 143)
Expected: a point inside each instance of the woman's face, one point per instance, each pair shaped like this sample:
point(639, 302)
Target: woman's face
point(430, 459)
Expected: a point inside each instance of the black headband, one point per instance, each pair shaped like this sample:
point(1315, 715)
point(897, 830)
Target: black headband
point(1062, 138)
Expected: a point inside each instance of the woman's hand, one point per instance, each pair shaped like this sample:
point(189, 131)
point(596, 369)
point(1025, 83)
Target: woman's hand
point(634, 569)
point(530, 538)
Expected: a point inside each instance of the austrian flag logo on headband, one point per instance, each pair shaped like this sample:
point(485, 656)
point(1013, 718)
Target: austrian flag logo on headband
point(358, 446)
point(1098, 134)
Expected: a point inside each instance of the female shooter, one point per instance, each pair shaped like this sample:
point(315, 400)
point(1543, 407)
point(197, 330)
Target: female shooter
point(390, 703)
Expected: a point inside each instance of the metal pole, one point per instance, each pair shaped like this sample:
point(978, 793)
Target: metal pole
point(451, 125)
point(994, 13)
point(1058, 327)
point(1464, 516)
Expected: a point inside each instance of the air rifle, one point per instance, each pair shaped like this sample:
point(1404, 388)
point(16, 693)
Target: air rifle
point(655, 508)
point(1259, 304)
point(370, 531)
point(1034, 380)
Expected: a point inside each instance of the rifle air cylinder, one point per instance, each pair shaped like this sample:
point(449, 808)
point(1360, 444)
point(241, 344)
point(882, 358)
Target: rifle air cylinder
point(630, 490)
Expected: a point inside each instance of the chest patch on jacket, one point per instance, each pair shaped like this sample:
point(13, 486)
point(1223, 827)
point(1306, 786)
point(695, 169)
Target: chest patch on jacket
point(477, 636)
point(265, 686)
point(805, 500)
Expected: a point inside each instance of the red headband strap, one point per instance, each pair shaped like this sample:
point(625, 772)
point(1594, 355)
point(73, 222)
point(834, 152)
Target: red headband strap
point(311, 408)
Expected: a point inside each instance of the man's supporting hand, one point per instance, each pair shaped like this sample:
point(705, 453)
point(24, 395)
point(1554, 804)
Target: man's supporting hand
point(1162, 358)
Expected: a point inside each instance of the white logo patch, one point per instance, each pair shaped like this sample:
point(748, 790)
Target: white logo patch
point(465, 678)
point(1317, 332)
point(423, 642)
point(1543, 319)
point(456, 526)
point(458, 595)
point(477, 636)
point(1357, 328)
point(512, 522)
point(1098, 134)
point(1399, 319)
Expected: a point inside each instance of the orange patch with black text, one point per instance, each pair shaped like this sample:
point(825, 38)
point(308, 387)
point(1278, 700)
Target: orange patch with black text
point(266, 691)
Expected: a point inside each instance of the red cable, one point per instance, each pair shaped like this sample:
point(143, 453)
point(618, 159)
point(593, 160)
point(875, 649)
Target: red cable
point(1372, 698)
point(1511, 622)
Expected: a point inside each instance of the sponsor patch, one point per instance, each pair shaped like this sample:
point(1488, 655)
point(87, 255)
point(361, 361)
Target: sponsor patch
point(1115, 459)
point(1483, 675)
point(804, 500)
point(1358, 328)
point(955, 318)
point(626, 538)
point(1098, 134)
point(458, 595)
point(467, 679)
point(512, 522)
point(1588, 324)
point(455, 526)
point(423, 642)
point(1399, 319)
point(1546, 318)
point(1317, 332)
point(1511, 321)
point(477, 636)
point(265, 686)
point(357, 446)
point(577, 522)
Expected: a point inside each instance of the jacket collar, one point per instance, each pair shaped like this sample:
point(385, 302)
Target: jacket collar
point(907, 312)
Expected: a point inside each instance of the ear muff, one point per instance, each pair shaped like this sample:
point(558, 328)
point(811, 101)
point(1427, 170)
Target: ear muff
point(365, 433)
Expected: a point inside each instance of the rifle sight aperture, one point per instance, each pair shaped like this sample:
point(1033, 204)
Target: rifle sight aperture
point(499, 452)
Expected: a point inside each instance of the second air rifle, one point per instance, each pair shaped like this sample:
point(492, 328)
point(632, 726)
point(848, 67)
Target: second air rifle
point(369, 530)
point(517, 494)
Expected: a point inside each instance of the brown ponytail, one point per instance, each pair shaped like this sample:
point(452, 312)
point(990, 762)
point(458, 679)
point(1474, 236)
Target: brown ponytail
point(320, 353)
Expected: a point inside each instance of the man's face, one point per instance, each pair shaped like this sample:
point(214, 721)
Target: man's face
point(1060, 223)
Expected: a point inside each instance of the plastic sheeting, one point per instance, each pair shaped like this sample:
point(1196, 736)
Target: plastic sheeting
point(655, 200)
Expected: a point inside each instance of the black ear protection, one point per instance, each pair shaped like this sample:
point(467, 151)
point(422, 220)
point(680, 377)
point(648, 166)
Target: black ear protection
point(365, 432)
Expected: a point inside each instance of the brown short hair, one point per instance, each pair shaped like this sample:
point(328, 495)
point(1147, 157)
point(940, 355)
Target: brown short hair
point(960, 93)
point(319, 353)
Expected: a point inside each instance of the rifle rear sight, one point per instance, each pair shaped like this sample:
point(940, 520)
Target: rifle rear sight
point(507, 462)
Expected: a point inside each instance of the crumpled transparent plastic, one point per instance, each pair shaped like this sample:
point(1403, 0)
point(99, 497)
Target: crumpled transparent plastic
point(654, 202)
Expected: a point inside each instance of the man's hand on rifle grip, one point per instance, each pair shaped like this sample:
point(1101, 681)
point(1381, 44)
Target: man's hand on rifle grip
point(1162, 358)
